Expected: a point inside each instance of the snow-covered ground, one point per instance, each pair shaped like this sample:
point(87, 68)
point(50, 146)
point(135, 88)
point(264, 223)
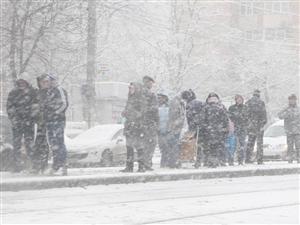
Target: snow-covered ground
point(265, 200)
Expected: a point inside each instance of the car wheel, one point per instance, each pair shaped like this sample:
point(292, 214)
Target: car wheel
point(106, 158)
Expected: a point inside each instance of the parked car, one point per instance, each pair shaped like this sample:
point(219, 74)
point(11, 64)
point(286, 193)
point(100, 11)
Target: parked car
point(102, 145)
point(73, 129)
point(5, 143)
point(275, 146)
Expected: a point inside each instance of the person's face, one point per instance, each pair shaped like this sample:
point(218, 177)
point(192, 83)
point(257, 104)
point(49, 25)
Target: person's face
point(239, 101)
point(131, 89)
point(45, 84)
point(160, 100)
point(149, 84)
point(22, 85)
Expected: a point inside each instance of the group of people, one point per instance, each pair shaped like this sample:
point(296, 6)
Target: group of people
point(38, 120)
point(152, 119)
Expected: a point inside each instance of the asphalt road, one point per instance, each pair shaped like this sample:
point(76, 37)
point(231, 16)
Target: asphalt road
point(266, 200)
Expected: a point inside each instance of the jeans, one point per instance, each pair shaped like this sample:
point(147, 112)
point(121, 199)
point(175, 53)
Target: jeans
point(55, 132)
point(241, 144)
point(173, 150)
point(41, 151)
point(164, 149)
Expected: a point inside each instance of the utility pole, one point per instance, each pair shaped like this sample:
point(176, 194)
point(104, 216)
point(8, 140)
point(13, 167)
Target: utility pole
point(91, 57)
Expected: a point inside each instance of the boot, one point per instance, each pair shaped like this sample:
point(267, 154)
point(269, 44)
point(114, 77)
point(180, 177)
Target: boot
point(141, 168)
point(128, 168)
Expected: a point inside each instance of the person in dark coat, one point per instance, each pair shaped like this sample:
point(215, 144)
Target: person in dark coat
point(238, 115)
point(150, 120)
point(257, 119)
point(193, 111)
point(214, 123)
point(163, 109)
point(56, 104)
point(20, 111)
point(133, 130)
point(41, 147)
point(291, 117)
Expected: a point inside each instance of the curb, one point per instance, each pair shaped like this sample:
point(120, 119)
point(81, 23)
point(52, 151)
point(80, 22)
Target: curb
point(106, 179)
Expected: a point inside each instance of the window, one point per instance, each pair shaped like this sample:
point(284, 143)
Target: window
point(269, 34)
point(253, 35)
point(275, 34)
point(247, 8)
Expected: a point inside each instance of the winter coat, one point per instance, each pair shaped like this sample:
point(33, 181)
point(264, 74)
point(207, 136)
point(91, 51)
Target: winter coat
point(163, 118)
point(214, 122)
point(238, 115)
point(291, 117)
point(193, 110)
point(21, 105)
point(150, 113)
point(133, 113)
point(256, 113)
point(176, 115)
point(56, 105)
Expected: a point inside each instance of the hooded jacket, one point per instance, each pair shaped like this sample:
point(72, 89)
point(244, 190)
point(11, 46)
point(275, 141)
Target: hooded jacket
point(214, 120)
point(21, 103)
point(133, 112)
point(56, 104)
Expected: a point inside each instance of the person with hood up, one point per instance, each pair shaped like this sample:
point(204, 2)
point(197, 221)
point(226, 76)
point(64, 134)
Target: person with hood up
point(257, 119)
point(133, 129)
point(291, 117)
point(21, 112)
point(193, 111)
point(56, 104)
point(214, 124)
point(238, 115)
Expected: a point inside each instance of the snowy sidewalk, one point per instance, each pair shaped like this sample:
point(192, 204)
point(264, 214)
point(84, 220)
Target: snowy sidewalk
point(80, 177)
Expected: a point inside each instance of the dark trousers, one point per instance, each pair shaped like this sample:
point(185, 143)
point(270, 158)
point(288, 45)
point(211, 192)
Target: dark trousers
point(241, 145)
point(130, 157)
point(173, 150)
point(41, 152)
point(216, 152)
point(293, 142)
point(149, 148)
point(55, 132)
point(255, 135)
point(22, 130)
point(164, 149)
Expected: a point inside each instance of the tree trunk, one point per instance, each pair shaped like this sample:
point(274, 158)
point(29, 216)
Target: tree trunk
point(12, 51)
point(91, 56)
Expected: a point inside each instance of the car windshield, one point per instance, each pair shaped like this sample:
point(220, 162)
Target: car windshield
point(104, 133)
point(275, 131)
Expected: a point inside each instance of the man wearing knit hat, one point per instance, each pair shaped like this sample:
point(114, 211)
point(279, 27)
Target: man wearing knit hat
point(291, 117)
